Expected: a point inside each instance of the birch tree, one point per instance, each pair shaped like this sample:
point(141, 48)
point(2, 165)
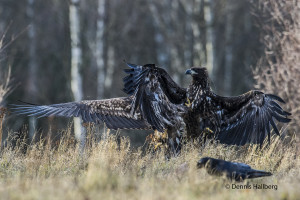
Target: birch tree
point(110, 68)
point(210, 50)
point(76, 60)
point(100, 49)
point(228, 48)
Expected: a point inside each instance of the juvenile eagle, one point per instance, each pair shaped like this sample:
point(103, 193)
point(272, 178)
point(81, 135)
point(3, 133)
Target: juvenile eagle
point(237, 120)
point(156, 102)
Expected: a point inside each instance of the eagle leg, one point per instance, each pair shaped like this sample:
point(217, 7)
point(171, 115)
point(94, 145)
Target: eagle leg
point(157, 139)
point(206, 133)
point(165, 140)
point(189, 103)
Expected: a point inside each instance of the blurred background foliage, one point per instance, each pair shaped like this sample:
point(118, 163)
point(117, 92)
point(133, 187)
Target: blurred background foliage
point(55, 42)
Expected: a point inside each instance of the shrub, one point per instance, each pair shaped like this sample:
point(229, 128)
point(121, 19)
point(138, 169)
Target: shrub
point(279, 69)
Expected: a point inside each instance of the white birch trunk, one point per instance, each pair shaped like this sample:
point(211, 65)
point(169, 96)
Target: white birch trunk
point(196, 34)
point(208, 10)
point(176, 60)
point(100, 50)
point(110, 68)
point(32, 65)
point(76, 60)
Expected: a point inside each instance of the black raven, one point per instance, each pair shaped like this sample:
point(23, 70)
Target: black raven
point(232, 170)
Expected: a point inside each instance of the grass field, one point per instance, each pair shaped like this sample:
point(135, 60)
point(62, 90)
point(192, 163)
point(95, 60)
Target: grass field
point(111, 169)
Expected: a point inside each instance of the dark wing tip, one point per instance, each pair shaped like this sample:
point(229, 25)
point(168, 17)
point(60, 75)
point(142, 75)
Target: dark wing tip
point(242, 131)
point(28, 103)
point(131, 65)
point(277, 98)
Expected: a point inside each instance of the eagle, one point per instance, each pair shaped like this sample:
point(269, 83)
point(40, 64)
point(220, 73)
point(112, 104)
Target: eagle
point(154, 101)
point(231, 170)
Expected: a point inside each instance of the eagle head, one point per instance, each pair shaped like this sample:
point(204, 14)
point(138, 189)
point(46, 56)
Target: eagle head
point(199, 74)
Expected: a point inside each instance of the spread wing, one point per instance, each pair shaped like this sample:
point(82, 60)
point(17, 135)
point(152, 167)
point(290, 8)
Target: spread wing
point(248, 118)
point(155, 94)
point(137, 75)
point(114, 112)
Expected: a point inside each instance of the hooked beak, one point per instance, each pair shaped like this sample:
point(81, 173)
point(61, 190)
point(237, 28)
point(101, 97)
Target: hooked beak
point(190, 71)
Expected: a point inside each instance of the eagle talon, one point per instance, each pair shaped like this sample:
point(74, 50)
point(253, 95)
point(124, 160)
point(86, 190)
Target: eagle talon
point(208, 130)
point(189, 103)
point(157, 139)
point(157, 145)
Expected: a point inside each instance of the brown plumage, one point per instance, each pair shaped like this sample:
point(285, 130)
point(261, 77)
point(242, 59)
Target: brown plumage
point(238, 120)
point(155, 101)
point(115, 112)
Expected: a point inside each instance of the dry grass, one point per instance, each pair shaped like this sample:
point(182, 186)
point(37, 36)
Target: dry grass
point(109, 170)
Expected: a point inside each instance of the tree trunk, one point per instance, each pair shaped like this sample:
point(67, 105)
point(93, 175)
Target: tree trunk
point(101, 72)
point(208, 16)
point(196, 42)
point(228, 48)
point(110, 68)
point(213, 35)
point(76, 60)
point(203, 27)
point(32, 64)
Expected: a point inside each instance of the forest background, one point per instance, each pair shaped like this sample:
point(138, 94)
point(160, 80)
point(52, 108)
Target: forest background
point(61, 51)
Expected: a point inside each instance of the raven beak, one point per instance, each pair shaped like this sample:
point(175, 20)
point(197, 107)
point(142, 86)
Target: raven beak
point(190, 71)
point(199, 165)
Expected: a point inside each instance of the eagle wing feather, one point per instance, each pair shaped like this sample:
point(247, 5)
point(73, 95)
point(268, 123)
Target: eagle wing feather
point(155, 94)
point(115, 113)
point(248, 118)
